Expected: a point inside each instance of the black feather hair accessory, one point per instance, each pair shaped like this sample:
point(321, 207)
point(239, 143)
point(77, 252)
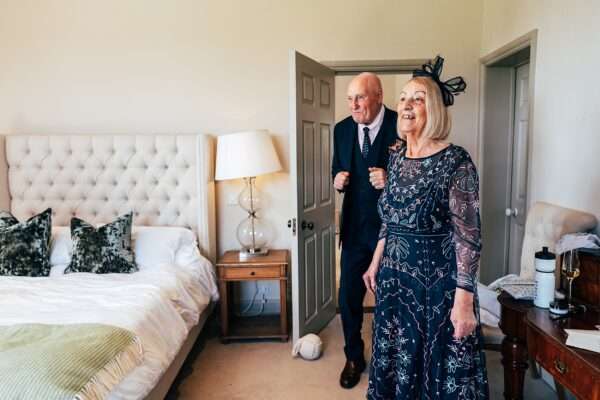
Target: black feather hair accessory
point(450, 88)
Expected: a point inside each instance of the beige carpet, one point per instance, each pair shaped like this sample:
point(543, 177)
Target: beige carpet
point(266, 371)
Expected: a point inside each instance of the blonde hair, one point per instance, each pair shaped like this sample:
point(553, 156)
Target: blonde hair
point(438, 122)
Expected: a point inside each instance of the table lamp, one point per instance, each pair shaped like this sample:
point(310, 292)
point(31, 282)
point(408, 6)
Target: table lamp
point(247, 155)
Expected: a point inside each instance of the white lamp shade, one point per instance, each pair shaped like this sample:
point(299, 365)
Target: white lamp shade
point(245, 154)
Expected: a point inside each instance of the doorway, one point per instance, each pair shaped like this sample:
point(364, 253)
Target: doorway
point(312, 223)
point(507, 94)
point(392, 84)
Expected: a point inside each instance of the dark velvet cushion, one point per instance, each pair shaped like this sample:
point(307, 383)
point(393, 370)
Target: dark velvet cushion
point(25, 246)
point(102, 250)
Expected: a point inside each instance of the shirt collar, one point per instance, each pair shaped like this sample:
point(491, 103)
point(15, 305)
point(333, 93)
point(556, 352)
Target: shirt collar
point(376, 124)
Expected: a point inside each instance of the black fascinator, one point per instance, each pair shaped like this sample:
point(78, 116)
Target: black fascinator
point(451, 87)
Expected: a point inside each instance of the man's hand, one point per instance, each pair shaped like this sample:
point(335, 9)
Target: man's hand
point(377, 177)
point(341, 180)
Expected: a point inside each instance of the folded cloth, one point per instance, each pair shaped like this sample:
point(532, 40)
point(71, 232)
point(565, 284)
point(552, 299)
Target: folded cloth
point(580, 240)
point(487, 318)
point(52, 362)
point(488, 300)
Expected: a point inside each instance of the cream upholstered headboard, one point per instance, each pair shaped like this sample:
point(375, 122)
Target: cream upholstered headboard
point(166, 180)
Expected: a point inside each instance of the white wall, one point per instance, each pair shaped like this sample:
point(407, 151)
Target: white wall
point(566, 122)
point(183, 66)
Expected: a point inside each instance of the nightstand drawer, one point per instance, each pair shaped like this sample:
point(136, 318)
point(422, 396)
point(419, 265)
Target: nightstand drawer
point(250, 272)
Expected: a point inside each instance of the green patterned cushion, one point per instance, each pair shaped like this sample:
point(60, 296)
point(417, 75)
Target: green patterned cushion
point(102, 250)
point(25, 246)
point(7, 219)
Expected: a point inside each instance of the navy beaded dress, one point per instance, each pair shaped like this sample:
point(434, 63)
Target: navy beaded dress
point(430, 220)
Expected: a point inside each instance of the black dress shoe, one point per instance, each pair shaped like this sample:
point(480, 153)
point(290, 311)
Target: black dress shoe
point(351, 373)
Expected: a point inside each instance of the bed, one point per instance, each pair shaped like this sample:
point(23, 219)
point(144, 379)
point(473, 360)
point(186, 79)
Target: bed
point(167, 180)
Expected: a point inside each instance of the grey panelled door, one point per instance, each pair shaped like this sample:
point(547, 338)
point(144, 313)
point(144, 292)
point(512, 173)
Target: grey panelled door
point(495, 190)
point(313, 224)
point(504, 188)
point(517, 209)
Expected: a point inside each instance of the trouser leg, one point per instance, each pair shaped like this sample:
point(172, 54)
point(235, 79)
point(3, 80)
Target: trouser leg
point(355, 261)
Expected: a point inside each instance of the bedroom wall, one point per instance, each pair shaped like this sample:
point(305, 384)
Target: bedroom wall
point(566, 123)
point(71, 66)
point(4, 197)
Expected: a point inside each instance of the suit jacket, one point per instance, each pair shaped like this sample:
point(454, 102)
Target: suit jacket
point(345, 135)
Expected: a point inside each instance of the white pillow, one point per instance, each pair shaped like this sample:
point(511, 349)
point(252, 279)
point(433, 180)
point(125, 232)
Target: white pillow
point(153, 246)
point(61, 247)
point(164, 246)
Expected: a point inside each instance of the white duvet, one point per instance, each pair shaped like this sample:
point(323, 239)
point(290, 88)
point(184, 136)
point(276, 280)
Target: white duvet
point(159, 305)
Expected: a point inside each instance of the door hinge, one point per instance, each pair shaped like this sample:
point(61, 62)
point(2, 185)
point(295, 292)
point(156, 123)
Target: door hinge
point(292, 224)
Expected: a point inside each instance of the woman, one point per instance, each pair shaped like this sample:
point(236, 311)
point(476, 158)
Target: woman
point(426, 335)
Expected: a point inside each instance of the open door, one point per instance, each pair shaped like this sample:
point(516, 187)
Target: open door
point(312, 103)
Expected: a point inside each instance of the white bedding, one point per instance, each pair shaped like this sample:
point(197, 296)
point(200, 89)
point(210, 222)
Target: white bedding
point(159, 305)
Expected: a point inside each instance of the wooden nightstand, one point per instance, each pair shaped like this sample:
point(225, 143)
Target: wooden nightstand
point(273, 266)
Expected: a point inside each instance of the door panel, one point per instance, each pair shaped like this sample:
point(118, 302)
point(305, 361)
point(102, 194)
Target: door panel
point(504, 178)
point(308, 165)
point(312, 89)
point(518, 201)
point(310, 277)
point(325, 157)
point(495, 193)
point(328, 247)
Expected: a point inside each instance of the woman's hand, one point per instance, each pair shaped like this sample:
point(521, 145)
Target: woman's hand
point(369, 276)
point(462, 316)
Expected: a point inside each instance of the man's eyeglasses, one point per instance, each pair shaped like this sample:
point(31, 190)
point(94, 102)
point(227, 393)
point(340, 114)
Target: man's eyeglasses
point(357, 98)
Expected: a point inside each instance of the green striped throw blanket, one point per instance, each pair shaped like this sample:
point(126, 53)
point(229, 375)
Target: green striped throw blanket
point(82, 361)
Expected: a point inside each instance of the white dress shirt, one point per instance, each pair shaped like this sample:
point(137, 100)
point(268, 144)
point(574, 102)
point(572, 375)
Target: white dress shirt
point(373, 128)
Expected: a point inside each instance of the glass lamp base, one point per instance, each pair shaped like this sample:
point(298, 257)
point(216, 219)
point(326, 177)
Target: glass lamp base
point(249, 253)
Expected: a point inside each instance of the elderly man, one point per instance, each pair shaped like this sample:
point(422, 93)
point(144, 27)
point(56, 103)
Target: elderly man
point(360, 158)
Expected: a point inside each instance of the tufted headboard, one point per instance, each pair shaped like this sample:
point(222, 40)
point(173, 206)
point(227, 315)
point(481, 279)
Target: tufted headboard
point(167, 180)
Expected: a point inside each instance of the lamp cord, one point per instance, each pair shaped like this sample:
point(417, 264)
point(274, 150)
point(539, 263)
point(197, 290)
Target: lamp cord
point(246, 311)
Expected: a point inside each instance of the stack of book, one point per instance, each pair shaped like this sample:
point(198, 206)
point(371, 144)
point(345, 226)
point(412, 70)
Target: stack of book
point(584, 339)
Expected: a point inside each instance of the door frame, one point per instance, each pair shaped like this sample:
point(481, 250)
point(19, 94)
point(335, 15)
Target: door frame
point(510, 57)
point(379, 67)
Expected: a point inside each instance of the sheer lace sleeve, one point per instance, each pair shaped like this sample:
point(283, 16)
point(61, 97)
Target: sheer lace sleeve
point(464, 213)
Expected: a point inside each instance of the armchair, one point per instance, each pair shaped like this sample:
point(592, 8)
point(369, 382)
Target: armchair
point(545, 224)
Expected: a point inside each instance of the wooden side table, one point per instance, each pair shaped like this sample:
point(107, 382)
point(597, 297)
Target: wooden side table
point(576, 369)
point(273, 266)
point(514, 345)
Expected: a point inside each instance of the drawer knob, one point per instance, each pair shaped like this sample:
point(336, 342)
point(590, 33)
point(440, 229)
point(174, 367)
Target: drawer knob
point(560, 366)
point(252, 273)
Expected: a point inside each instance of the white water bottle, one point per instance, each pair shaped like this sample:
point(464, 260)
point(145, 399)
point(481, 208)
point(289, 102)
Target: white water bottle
point(544, 278)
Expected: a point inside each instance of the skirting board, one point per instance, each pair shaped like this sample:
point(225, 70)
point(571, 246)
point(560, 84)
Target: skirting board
point(164, 384)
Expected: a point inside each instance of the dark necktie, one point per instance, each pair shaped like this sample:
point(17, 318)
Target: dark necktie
point(366, 146)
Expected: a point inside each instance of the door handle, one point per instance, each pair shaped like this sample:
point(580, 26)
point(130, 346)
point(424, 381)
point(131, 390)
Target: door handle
point(511, 212)
point(307, 225)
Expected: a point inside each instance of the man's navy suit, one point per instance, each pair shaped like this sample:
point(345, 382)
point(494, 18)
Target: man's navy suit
point(359, 222)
